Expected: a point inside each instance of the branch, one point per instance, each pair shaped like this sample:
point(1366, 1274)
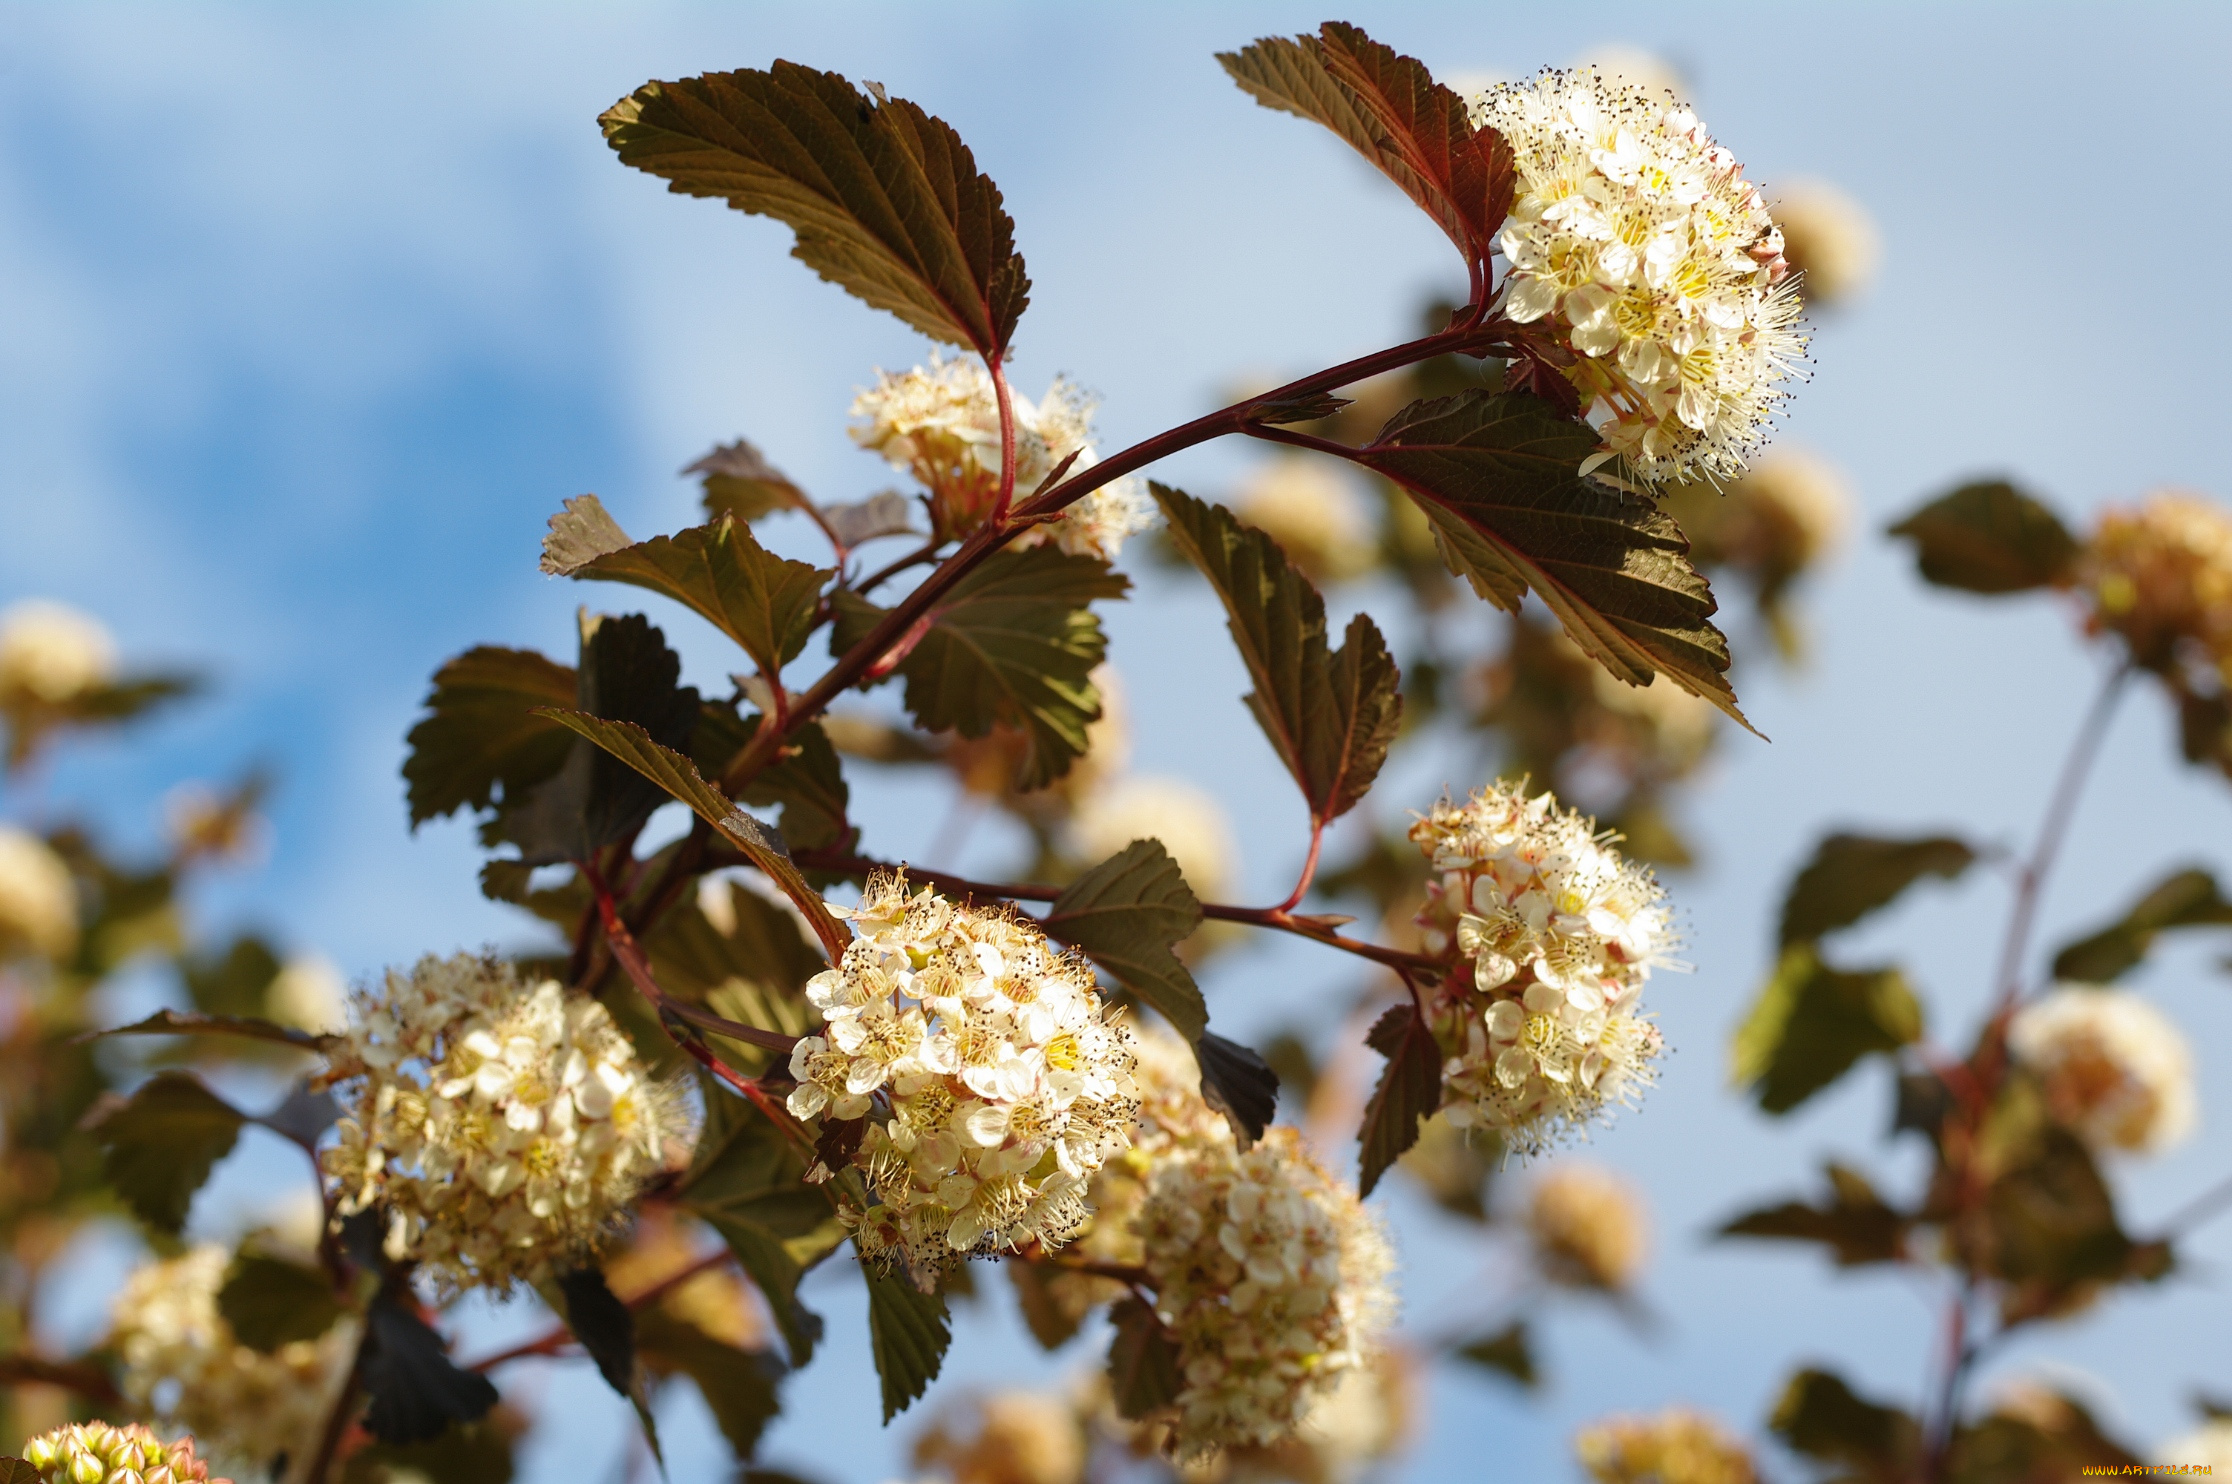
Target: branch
point(343, 1413)
point(87, 1381)
point(556, 1339)
point(1007, 441)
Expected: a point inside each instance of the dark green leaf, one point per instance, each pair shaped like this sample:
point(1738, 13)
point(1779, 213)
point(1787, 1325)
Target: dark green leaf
point(1812, 1023)
point(1989, 538)
point(2051, 1218)
point(678, 777)
point(1329, 714)
point(1143, 1370)
point(160, 1145)
point(172, 1023)
point(1854, 1224)
point(1128, 913)
point(1508, 1351)
point(2054, 1438)
point(1390, 110)
point(739, 1386)
point(1238, 1083)
point(1498, 475)
point(1409, 1090)
point(476, 1453)
point(1820, 1417)
point(1853, 875)
point(2187, 898)
point(1012, 644)
point(413, 1391)
point(885, 198)
point(909, 1333)
point(270, 1302)
point(764, 602)
point(739, 482)
point(480, 733)
point(628, 675)
point(605, 1327)
point(750, 1186)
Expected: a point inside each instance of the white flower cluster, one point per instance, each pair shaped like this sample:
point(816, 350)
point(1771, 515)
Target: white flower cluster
point(1678, 1446)
point(1639, 241)
point(1272, 1278)
point(504, 1126)
point(2160, 576)
point(51, 654)
point(181, 1360)
point(942, 424)
point(2113, 1068)
point(38, 897)
point(103, 1453)
point(1589, 1226)
point(1554, 936)
point(999, 1083)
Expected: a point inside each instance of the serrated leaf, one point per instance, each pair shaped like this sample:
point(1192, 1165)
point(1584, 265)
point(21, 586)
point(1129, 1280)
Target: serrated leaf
point(1851, 876)
point(1989, 537)
point(719, 571)
point(908, 1332)
point(627, 675)
point(270, 1302)
point(1498, 476)
point(1507, 1351)
point(1819, 1416)
point(1238, 1083)
point(159, 1145)
point(604, 1326)
point(1390, 110)
point(739, 481)
point(1127, 914)
point(749, 1185)
point(1855, 1224)
point(806, 779)
point(885, 199)
point(2188, 898)
point(1143, 1374)
point(1329, 714)
point(679, 778)
point(739, 1386)
point(1811, 1024)
point(857, 522)
point(413, 1390)
point(1409, 1091)
point(480, 734)
point(1012, 644)
point(19, 1471)
point(172, 1023)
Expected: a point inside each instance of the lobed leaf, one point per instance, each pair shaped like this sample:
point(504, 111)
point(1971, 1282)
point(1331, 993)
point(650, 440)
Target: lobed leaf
point(1855, 1224)
point(1409, 1091)
point(764, 602)
point(1238, 1083)
point(1508, 1351)
point(159, 1145)
point(2187, 898)
point(1851, 876)
point(480, 734)
point(1143, 1374)
point(270, 1302)
point(1498, 476)
point(1329, 714)
point(1127, 914)
point(739, 482)
point(1811, 1024)
point(885, 199)
point(679, 778)
point(739, 1386)
point(414, 1392)
point(909, 1332)
point(1989, 537)
point(1388, 108)
point(1012, 644)
point(1821, 1417)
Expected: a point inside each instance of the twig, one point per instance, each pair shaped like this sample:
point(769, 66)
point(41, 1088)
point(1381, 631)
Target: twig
point(1007, 440)
point(2194, 1212)
point(343, 1413)
point(87, 1381)
point(555, 1339)
point(1309, 866)
point(881, 575)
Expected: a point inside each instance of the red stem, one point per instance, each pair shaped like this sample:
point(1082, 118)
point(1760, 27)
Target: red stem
point(552, 1341)
point(1309, 866)
point(1007, 441)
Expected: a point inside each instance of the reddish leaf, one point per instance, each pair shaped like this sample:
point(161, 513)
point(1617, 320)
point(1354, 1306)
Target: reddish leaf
point(1409, 1091)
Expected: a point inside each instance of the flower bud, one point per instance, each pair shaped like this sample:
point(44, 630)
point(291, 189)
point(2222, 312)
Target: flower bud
point(102, 1453)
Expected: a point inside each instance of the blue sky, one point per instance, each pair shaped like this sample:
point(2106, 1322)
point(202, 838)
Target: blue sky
point(312, 315)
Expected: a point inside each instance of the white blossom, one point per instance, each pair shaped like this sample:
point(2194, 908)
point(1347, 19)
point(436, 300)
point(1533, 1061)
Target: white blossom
point(1271, 1277)
point(504, 1126)
point(2206, 1449)
point(941, 423)
point(1677, 1446)
point(998, 1082)
point(2112, 1067)
point(1552, 936)
point(103, 1453)
point(182, 1361)
point(1637, 243)
point(2159, 576)
point(51, 654)
point(38, 896)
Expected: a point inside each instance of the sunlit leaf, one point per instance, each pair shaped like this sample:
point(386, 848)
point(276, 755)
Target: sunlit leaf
point(1128, 913)
point(172, 1023)
point(480, 734)
point(885, 199)
point(2188, 898)
point(1811, 1024)
point(908, 1332)
point(739, 1386)
point(739, 481)
point(160, 1144)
